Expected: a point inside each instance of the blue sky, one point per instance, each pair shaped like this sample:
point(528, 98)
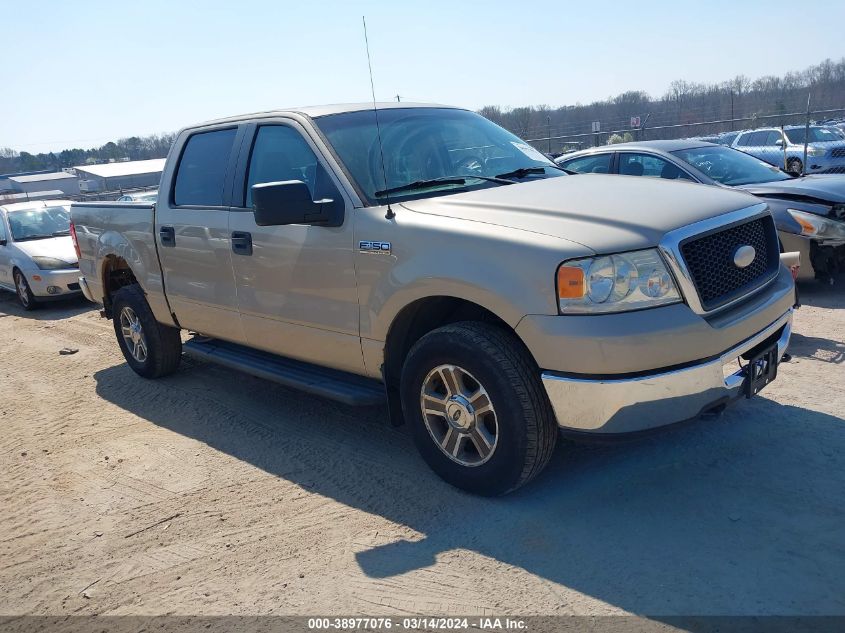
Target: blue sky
point(80, 73)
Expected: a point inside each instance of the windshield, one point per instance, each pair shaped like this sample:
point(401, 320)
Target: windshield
point(730, 166)
point(814, 135)
point(39, 223)
point(424, 144)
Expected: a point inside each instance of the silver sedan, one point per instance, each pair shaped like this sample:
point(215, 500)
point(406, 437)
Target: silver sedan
point(37, 258)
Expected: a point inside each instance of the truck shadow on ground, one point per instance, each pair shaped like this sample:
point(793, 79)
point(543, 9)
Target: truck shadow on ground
point(733, 515)
point(818, 349)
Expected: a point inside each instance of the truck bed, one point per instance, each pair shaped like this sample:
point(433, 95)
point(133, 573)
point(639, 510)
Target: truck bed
point(108, 232)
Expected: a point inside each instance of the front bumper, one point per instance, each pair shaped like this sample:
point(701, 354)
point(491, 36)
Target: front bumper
point(825, 164)
point(626, 405)
point(54, 284)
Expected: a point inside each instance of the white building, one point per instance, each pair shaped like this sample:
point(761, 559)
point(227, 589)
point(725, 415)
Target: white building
point(63, 181)
point(118, 176)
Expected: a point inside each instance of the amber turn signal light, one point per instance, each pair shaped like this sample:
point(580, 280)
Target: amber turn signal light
point(570, 282)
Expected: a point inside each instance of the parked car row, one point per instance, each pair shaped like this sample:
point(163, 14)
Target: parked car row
point(809, 210)
point(784, 147)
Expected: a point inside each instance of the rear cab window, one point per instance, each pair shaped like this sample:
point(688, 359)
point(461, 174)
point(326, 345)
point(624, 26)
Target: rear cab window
point(201, 173)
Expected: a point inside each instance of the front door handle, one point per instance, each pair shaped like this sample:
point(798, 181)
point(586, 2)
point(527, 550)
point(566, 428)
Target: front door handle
point(241, 242)
point(167, 234)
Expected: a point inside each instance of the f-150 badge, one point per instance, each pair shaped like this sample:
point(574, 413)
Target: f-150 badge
point(375, 248)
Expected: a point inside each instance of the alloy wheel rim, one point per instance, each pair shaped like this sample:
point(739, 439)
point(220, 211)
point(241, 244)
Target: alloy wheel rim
point(459, 415)
point(133, 334)
point(22, 288)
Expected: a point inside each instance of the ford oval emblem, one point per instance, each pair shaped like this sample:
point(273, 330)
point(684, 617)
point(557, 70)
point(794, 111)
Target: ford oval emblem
point(744, 255)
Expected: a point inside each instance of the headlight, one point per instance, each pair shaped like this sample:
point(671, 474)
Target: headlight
point(818, 226)
point(816, 151)
point(50, 263)
point(615, 283)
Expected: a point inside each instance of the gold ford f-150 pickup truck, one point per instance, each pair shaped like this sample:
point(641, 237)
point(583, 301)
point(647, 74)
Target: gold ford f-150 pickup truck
point(424, 257)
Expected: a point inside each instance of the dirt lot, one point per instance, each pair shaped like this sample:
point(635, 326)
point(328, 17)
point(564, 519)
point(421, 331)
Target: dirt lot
point(210, 492)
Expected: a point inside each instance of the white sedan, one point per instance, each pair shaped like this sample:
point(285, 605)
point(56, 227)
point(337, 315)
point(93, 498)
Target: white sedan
point(37, 258)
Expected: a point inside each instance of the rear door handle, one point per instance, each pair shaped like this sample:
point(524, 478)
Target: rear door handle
point(167, 235)
point(242, 242)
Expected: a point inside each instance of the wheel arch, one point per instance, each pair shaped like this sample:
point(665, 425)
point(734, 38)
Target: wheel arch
point(115, 273)
point(416, 320)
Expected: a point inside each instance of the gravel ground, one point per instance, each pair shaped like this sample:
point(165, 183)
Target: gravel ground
point(210, 492)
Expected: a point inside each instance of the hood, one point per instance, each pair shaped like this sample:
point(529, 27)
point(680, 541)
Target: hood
point(824, 187)
point(58, 247)
point(606, 213)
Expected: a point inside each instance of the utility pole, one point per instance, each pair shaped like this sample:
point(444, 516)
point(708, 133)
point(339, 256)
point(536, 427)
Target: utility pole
point(398, 99)
point(549, 123)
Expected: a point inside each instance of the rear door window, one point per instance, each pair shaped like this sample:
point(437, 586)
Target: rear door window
point(201, 173)
point(758, 139)
point(773, 137)
point(634, 164)
point(595, 164)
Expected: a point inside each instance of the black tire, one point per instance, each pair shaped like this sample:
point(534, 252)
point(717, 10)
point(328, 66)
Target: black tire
point(496, 360)
point(162, 344)
point(795, 166)
point(26, 299)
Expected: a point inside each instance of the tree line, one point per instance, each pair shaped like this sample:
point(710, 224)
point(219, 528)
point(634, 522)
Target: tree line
point(132, 148)
point(684, 103)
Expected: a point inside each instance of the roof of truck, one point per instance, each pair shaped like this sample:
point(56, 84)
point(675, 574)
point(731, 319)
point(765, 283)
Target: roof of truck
point(325, 110)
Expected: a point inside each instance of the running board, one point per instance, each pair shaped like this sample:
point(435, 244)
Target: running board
point(320, 381)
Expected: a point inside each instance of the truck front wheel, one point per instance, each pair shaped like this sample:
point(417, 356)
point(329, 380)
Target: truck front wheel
point(476, 408)
point(151, 349)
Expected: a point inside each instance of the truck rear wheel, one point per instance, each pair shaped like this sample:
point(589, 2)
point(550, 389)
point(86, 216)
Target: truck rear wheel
point(476, 408)
point(151, 349)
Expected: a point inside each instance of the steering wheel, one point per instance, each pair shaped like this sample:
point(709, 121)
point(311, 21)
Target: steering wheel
point(470, 166)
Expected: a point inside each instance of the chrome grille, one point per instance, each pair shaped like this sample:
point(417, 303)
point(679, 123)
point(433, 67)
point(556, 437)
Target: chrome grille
point(838, 152)
point(710, 261)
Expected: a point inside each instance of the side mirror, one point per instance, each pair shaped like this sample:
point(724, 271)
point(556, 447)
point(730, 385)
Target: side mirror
point(779, 142)
point(289, 202)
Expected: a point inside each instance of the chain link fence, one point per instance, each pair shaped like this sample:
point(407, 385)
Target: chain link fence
point(809, 142)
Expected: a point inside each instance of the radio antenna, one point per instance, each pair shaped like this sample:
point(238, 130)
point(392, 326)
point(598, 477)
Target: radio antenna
point(390, 214)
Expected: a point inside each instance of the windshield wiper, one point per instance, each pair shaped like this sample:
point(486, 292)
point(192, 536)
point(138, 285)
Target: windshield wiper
point(523, 172)
point(433, 182)
point(61, 233)
point(32, 237)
